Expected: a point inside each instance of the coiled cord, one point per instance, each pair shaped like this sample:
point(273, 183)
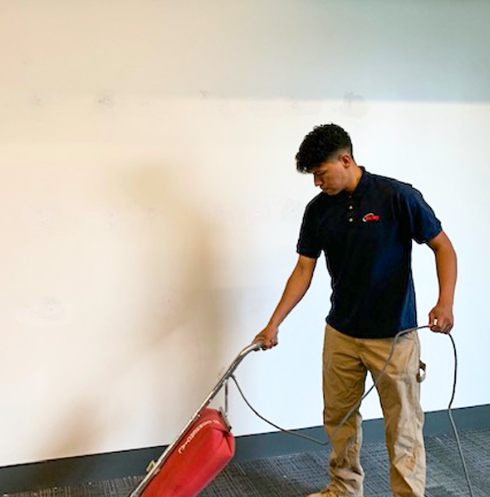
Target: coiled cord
point(375, 383)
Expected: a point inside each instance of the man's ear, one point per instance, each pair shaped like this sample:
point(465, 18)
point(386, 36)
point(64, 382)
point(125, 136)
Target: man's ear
point(345, 159)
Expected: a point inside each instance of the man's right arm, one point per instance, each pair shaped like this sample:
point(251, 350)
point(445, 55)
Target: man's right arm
point(296, 287)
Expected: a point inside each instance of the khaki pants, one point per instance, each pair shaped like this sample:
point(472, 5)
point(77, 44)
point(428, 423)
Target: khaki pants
point(346, 361)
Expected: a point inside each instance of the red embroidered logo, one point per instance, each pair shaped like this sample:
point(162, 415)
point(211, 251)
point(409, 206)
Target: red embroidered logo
point(370, 217)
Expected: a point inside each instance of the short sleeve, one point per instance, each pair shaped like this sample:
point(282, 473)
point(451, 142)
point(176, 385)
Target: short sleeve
point(308, 243)
point(421, 219)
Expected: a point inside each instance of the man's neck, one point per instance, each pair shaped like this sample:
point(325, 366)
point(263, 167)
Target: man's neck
point(355, 178)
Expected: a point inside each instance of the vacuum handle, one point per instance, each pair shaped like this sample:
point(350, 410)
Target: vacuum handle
point(155, 467)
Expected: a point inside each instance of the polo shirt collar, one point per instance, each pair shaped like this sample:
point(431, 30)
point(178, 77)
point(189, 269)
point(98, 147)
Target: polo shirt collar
point(363, 182)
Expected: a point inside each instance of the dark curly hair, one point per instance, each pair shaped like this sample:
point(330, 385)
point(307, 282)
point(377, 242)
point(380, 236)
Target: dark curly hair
point(320, 145)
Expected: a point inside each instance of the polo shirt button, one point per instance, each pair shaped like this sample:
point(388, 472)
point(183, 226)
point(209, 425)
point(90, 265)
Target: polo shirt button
point(351, 207)
point(351, 220)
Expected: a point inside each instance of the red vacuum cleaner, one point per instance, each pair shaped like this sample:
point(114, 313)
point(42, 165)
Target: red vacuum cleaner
point(199, 453)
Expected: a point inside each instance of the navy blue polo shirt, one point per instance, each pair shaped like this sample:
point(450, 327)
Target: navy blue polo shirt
point(367, 238)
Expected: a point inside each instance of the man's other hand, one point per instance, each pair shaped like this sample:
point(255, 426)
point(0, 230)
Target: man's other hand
point(441, 318)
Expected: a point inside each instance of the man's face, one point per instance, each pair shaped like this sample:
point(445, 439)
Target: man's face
point(331, 176)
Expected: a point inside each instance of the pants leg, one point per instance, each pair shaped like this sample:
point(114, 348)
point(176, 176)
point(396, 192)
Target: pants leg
point(344, 376)
point(399, 392)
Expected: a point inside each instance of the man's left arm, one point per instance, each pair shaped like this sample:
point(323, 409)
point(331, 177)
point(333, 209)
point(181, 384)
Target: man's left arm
point(441, 316)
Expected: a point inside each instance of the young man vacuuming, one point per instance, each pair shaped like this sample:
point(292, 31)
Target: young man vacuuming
point(365, 224)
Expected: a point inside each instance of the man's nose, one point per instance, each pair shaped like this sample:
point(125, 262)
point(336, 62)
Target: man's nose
point(317, 181)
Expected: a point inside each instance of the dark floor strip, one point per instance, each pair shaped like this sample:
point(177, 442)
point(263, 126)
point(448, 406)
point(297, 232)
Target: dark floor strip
point(296, 475)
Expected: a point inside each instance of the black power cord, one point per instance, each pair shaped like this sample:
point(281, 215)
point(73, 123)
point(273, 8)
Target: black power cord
point(453, 424)
point(375, 383)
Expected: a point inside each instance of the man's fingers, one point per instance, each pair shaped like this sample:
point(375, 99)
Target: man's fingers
point(260, 339)
point(433, 321)
point(267, 338)
point(268, 344)
point(441, 324)
point(447, 326)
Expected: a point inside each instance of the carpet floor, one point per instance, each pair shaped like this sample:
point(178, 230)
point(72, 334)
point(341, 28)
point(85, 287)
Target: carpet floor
point(297, 475)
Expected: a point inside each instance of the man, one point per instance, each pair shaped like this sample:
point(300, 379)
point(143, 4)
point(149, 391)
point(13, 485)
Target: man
point(365, 224)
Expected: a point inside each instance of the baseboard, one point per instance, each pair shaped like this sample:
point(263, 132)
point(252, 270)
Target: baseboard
point(100, 467)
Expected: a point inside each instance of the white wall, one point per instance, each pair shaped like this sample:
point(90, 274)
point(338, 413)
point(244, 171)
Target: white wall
point(150, 206)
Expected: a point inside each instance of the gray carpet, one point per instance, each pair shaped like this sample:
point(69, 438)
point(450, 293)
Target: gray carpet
point(300, 474)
